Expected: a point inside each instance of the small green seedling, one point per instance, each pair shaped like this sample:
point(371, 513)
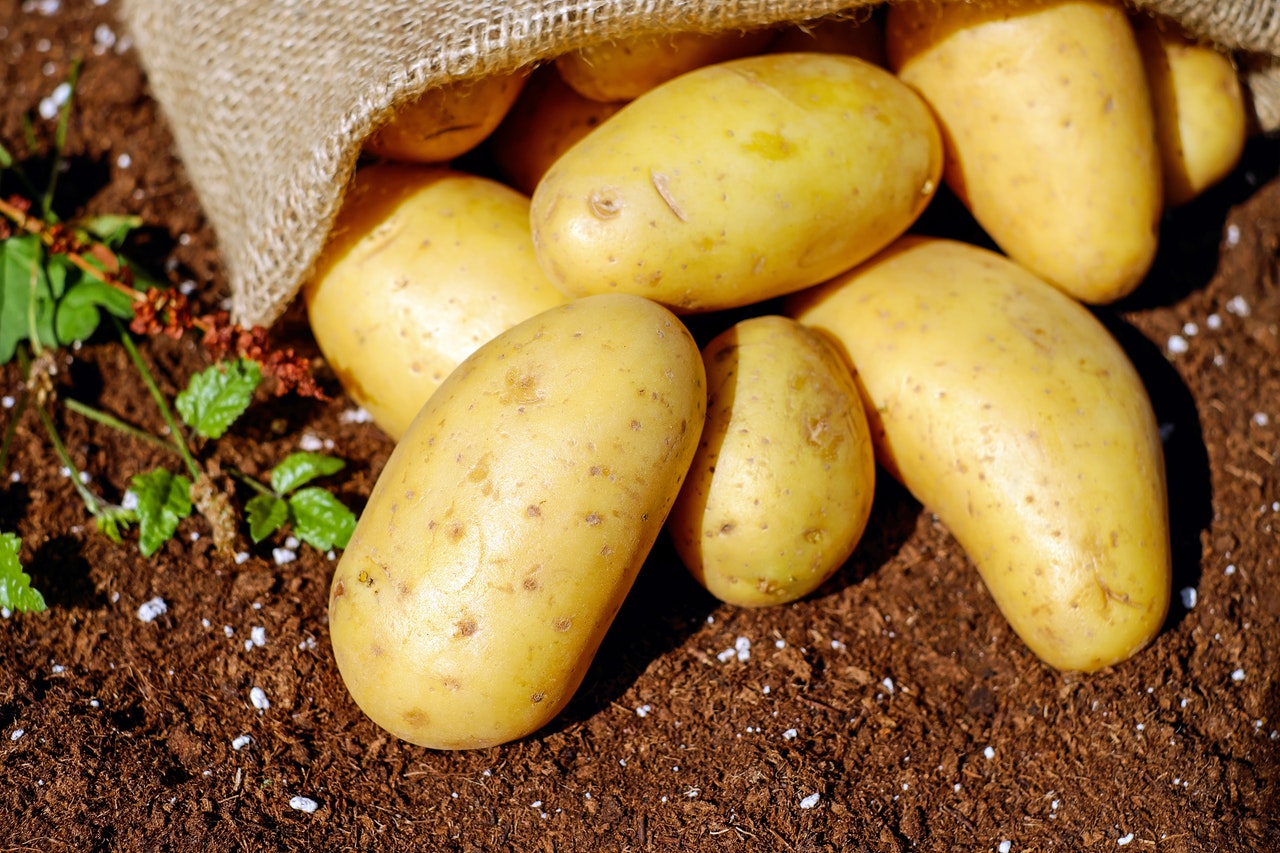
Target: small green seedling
point(315, 515)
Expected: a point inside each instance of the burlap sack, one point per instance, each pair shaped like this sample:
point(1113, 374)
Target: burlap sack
point(270, 100)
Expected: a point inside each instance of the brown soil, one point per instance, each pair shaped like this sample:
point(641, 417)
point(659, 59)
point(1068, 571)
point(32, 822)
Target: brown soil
point(897, 696)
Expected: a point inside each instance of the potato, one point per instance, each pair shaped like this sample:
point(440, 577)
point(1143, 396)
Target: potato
point(780, 489)
point(448, 121)
point(1007, 408)
point(511, 519)
point(862, 37)
point(547, 119)
point(1201, 125)
point(738, 182)
point(625, 69)
point(1050, 136)
point(423, 265)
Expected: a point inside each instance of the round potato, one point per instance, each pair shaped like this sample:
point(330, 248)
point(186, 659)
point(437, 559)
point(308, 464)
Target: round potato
point(547, 119)
point(780, 490)
point(624, 70)
point(1050, 135)
point(1006, 408)
point(511, 519)
point(448, 121)
point(738, 182)
point(1201, 123)
point(423, 265)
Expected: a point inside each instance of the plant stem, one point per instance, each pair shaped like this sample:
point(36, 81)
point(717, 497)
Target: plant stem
point(251, 482)
point(115, 423)
point(178, 444)
point(92, 502)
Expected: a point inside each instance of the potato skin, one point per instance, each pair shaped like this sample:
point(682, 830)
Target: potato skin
point(1050, 136)
point(423, 265)
point(780, 490)
point(1006, 408)
point(1201, 123)
point(547, 119)
point(626, 69)
point(511, 519)
point(448, 121)
point(738, 182)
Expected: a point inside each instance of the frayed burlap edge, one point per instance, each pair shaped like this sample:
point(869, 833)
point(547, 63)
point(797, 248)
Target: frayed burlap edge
point(270, 100)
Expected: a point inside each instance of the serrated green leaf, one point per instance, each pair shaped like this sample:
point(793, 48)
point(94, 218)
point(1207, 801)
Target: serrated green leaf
point(15, 585)
point(302, 467)
point(19, 256)
point(111, 228)
point(218, 395)
point(265, 513)
point(320, 519)
point(164, 499)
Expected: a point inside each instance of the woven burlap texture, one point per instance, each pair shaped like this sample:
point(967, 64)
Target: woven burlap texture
point(270, 100)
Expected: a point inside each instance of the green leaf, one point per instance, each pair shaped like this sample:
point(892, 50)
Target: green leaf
point(19, 256)
point(78, 312)
point(113, 521)
point(59, 271)
point(265, 513)
point(299, 468)
point(218, 395)
point(164, 499)
point(15, 584)
point(320, 519)
point(111, 228)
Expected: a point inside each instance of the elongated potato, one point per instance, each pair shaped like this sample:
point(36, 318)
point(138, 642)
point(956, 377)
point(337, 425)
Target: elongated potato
point(1050, 135)
point(422, 267)
point(1201, 124)
point(780, 490)
point(738, 182)
point(626, 69)
point(511, 519)
point(446, 122)
point(1006, 408)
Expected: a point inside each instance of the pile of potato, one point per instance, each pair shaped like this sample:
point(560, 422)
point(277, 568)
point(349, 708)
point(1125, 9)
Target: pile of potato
point(521, 336)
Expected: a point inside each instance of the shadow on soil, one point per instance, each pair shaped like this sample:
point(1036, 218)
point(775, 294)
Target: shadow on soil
point(1190, 488)
point(61, 573)
point(664, 608)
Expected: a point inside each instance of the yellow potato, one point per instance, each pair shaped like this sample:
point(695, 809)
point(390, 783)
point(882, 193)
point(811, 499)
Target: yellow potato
point(510, 522)
point(623, 70)
point(780, 490)
point(448, 121)
point(862, 37)
point(1006, 408)
point(1050, 136)
point(1201, 124)
point(738, 182)
point(547, 119)
point(423, 265)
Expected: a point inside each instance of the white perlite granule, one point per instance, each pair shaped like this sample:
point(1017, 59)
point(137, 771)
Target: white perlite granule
point(810, 801)
point(149, 610)
point(303, 804)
